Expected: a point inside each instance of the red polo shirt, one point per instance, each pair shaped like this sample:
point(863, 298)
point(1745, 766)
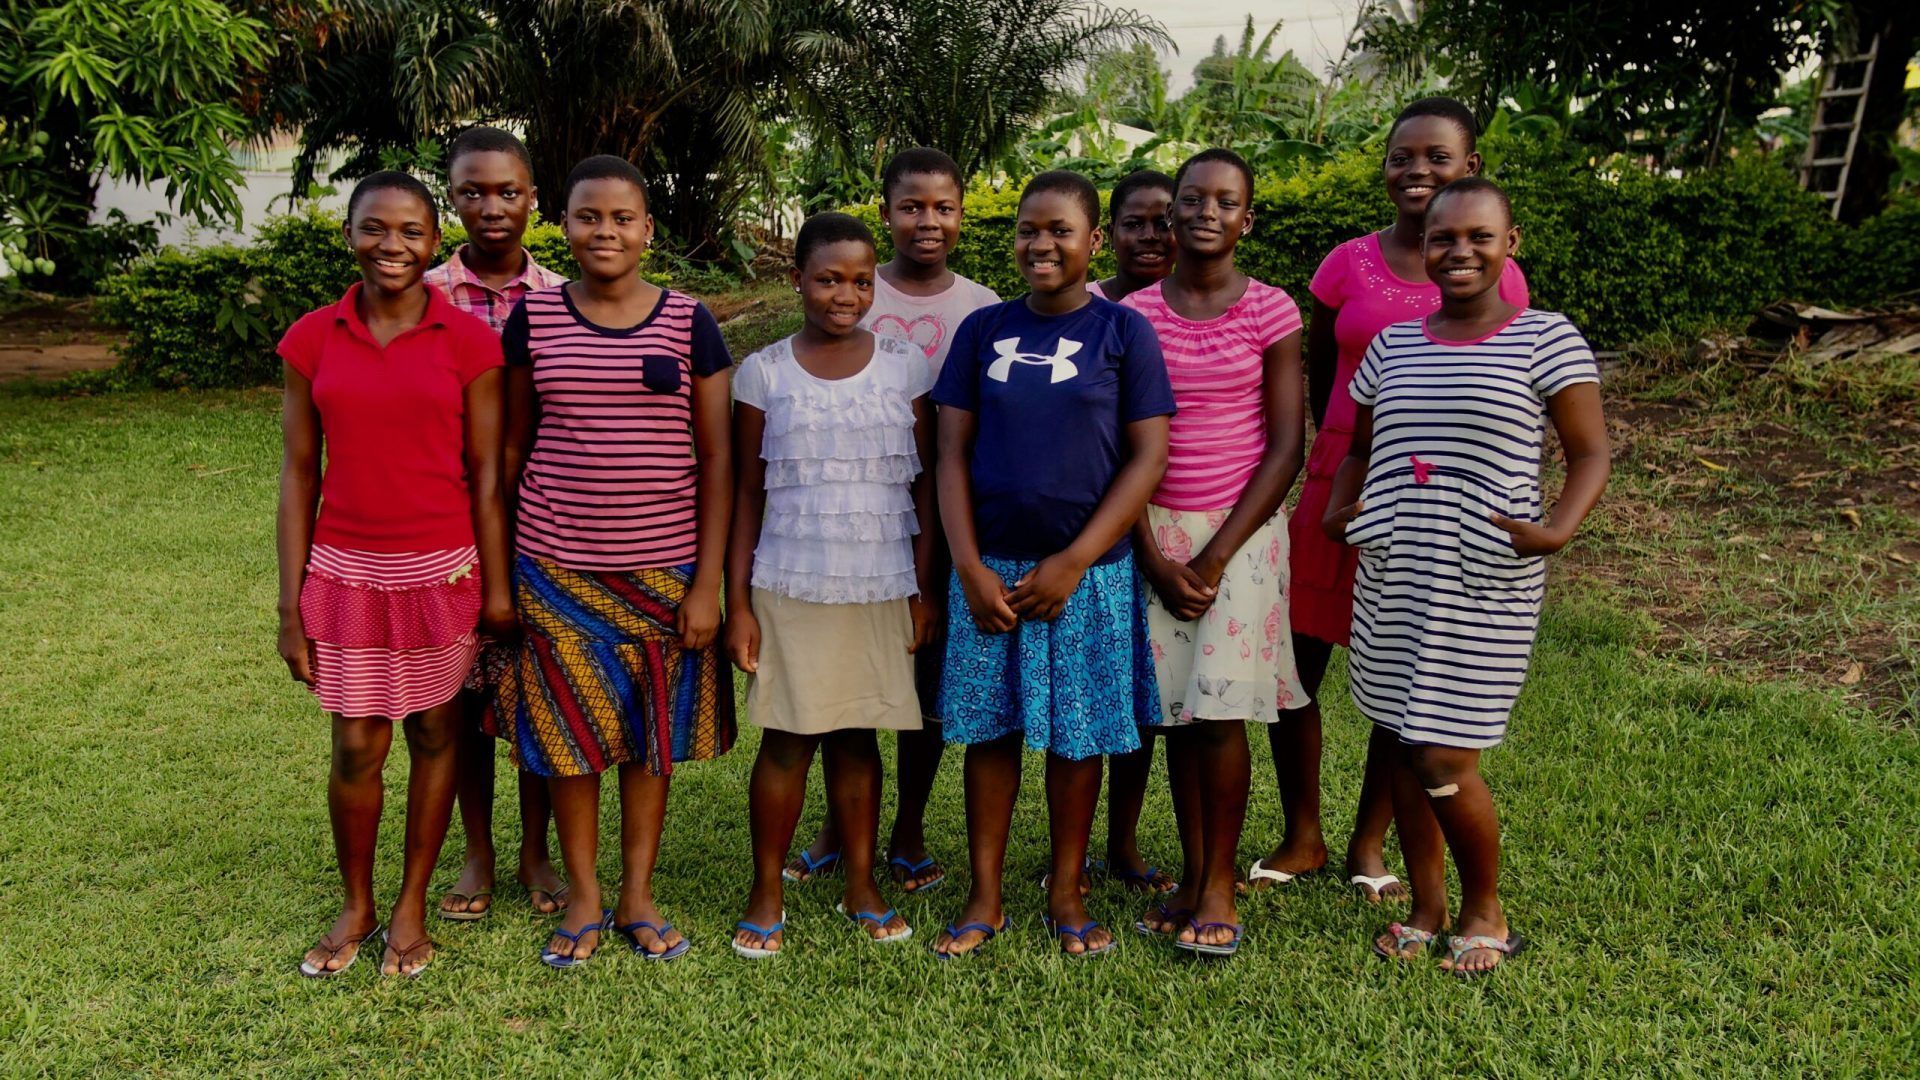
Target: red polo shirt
point(393, 422)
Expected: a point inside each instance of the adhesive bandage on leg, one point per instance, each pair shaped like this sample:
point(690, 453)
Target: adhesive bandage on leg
point(1443, 791)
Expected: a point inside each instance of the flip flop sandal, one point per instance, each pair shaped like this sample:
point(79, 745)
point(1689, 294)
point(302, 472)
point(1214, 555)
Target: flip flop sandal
point(1060, 930)
point(466, 900)
point(1404, 936)
point(631, 931)
point(402, 954)
point(988, 933)
point(1177, 916)
point(813, 868)
point(755, 952)
point(1459, 946)
point(312, 972)
point(905, 870)
point(1086, 869)
point(1259, 872)
point(881, 920)
point(1363, 883)
point(555, 960)
point(558, 898)
point(1141, 881)
point(1224, 948)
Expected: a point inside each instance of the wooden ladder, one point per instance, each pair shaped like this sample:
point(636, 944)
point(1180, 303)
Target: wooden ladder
point(1837, 112)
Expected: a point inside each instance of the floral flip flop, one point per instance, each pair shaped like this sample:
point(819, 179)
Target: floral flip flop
point(1460, 946)
point(1403, 937)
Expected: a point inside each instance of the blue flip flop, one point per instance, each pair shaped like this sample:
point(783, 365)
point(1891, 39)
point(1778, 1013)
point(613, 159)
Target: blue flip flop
point(815, 867)
point(1227, 948)
point(880, 920)
point(755, 952)
point(555, 960)
point(989, 932)
point(1178, 916)
point(631, 932)
point(910, 869)
point(1081, 932)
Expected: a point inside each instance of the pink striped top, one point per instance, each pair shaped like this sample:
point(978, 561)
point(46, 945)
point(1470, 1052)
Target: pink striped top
point(1218, 371)
point(611, 480)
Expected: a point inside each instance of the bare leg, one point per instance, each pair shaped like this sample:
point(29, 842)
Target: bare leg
point(1127, 776)
point(1423, 847)
point(537, 871)
point(853, 788)
point(1226, 774)
point(431, 745)
point(993, 784)
point(1073, 789)
point(1365, 854)
point(826, 844)
point(1295, 739)
point(1183, 774)
point(775, 797)
point(355, 792)
point(472, 890)
point(643, 815)
point(576, 816)
point(1450, 779)
point(918, 766)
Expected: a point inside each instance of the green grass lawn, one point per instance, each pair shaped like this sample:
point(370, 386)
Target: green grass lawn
point(1712, 872)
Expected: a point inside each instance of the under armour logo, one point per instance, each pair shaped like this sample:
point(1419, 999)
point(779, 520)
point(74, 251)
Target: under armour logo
point(1010, 354)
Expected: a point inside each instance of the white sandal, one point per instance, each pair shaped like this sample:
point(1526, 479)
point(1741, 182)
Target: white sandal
point(1374, 883)
point(1259, 872)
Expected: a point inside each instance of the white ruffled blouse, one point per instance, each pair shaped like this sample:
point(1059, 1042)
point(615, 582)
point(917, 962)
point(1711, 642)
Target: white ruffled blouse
point(840, 460)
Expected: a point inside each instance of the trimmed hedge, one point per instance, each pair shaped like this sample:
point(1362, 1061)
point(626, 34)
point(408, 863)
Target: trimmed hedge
point(1622, 256)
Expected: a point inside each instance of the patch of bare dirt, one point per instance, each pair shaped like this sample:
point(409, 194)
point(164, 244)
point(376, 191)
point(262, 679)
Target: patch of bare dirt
point(49, 337)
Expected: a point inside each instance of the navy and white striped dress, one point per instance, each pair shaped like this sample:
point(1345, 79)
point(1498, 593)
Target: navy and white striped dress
point(1444, 611)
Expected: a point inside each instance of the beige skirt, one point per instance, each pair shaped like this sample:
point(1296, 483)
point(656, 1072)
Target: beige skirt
point(831, 667)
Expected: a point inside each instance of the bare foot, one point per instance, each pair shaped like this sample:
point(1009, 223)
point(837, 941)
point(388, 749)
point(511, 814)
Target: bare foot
point(636, 906)
point(1374, 865)
point(472, 891)
point(762, 911)
point(546, 889)
point(1172, 912)
point(862, 898)
point(1212, 922)
point(585, 929)
point(1404, 941)
point(921, 870)
point(1128, 867)
point(1477, 961)
point(408, 948)
point(819, 859)
point(1292, 857)
point(1068, 915)
point(975, 914)
point(341, 943)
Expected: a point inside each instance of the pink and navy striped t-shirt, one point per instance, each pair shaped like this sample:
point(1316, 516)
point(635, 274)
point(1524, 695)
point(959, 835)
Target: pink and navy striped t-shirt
point(611, 480)
point(1218, 371)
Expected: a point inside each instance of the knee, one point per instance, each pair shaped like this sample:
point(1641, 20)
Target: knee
point(786, 751)
point(854, 745)
point(359, 752)
point(431, 734)
point(1440, 770)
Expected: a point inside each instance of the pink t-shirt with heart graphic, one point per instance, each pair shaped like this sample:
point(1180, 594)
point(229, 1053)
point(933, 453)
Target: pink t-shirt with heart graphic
point(927, 321)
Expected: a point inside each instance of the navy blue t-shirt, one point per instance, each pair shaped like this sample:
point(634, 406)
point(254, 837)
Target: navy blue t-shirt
point(1053, 394)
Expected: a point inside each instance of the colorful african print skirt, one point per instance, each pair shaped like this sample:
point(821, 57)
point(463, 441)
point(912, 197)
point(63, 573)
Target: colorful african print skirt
point(600, 678)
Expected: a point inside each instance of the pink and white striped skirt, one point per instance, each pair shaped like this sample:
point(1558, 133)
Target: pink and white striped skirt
point(393, 632)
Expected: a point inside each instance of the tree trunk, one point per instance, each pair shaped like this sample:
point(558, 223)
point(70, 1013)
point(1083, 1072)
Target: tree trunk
point(1897, 23)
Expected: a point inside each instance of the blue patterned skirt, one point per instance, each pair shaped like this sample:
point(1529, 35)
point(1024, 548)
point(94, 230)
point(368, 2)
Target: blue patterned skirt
point(1077, 687)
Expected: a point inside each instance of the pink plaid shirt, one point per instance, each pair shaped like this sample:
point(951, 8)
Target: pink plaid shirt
point(478, 299)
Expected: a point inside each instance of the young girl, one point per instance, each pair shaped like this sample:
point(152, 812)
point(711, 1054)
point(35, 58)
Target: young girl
point(617, 427)
point(1213, 540)
point(1053, 433)
point(916, 297)
point(1441, 494)
point(380, 597)
point(831, 428)
point(1361, 287)
point(490, 179)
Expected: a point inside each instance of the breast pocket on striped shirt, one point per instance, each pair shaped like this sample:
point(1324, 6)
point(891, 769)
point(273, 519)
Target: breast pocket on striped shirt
point(660, 374)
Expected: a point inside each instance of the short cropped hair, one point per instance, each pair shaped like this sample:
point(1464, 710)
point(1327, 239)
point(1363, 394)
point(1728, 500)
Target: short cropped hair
point(485, 140)
point(1472, 185)
point(1220, 154)
point(1138, 180)
point(919, 159)
point(606, 167)
point(1069, 183)
point(393, 180)
point(1445, 108)
point(821, 230)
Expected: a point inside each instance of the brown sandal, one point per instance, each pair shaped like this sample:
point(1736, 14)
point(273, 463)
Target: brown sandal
point(333, 950)
point(402, 954)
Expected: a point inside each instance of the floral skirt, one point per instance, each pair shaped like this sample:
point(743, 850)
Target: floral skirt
point(600, 678)
point(392, 632)
point(1078, 686)
point(1235, 662)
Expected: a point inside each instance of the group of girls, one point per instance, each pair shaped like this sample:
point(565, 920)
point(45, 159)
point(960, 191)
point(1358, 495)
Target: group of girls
point(1050, 523)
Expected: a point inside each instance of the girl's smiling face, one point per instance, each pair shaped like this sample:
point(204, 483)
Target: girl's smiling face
point(922, 213)
point(836, 286)
point(608, 227)
point(1053, 241)
point(1142, 240)
point(1212, 210)
point(1425, 154)
point(394, 238)
point(1469, 237)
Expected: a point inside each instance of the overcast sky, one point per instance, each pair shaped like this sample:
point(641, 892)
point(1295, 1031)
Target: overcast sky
point(1313, 29)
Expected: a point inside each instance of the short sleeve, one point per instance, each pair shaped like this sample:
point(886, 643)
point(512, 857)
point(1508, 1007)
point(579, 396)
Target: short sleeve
point(1145, 390)
point(983, 296)
point(300, 345)
point(959, 382)
point(1329, 284)
point(476, 347)
point(516, 337)
point(750, 380)
point(1279, 316)
point(1366, 381)
point(1561, 358)
point(708, 353)
point(1513, 285)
